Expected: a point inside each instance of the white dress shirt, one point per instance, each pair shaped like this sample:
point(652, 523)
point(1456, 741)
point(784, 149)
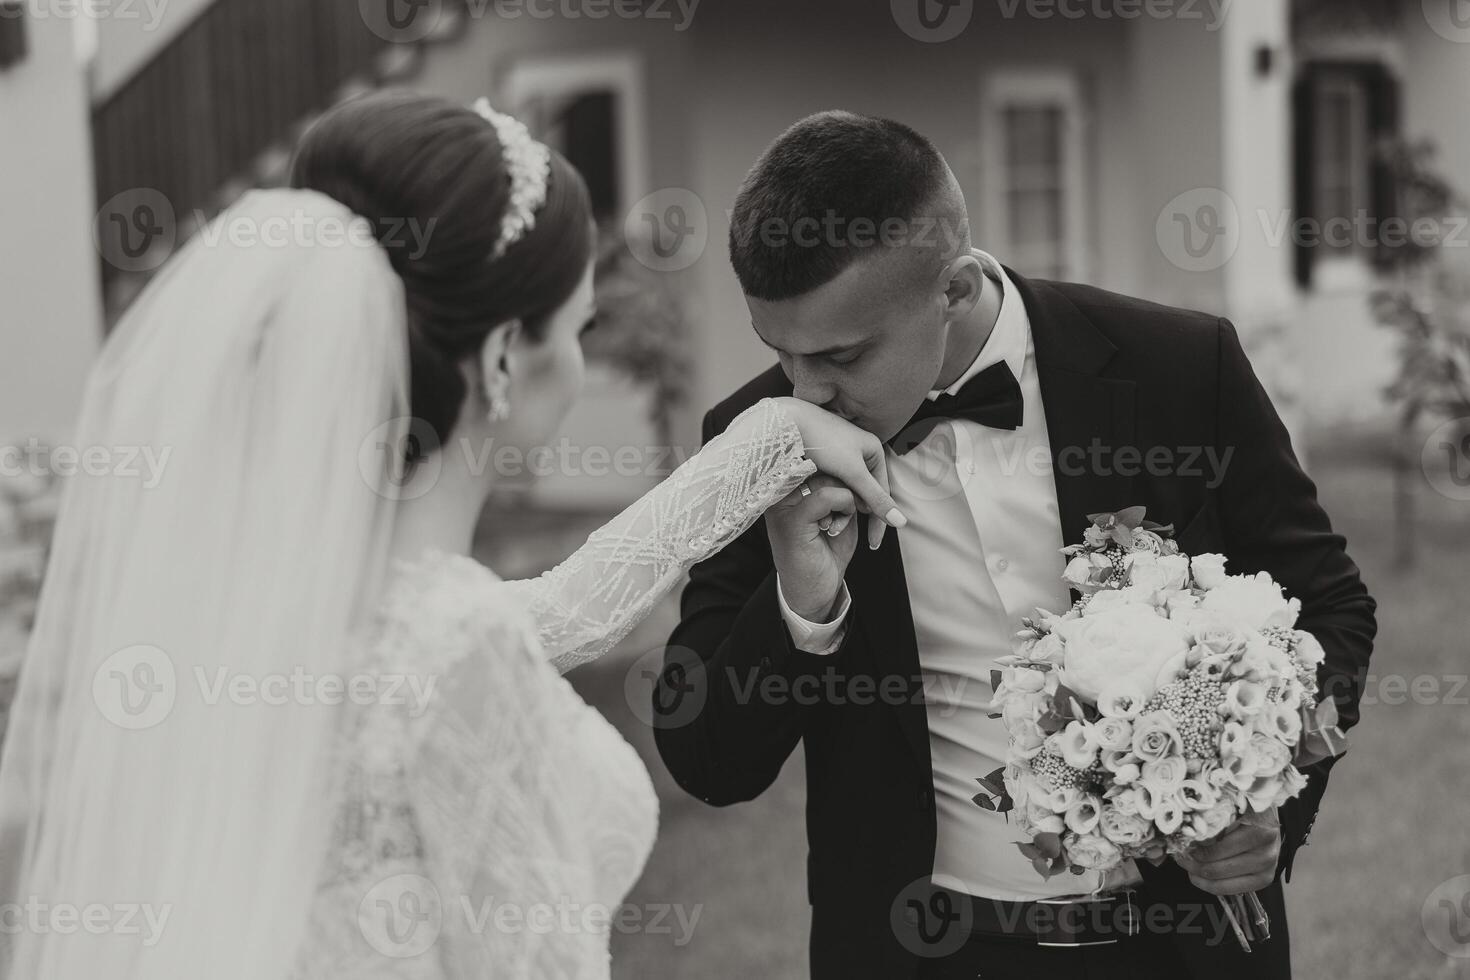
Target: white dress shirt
point(980, 551)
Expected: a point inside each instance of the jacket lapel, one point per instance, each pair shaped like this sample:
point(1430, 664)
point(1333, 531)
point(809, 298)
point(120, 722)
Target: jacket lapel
point(1088, 417)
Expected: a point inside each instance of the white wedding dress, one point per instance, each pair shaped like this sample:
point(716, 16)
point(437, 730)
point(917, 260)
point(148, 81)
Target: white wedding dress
point(494, 834)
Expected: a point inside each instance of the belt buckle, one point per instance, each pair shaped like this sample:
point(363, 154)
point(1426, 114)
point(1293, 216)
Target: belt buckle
point(1046, 937)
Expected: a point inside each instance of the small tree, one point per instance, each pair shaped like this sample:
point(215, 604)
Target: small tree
point(1419, 300)
point(643, 331)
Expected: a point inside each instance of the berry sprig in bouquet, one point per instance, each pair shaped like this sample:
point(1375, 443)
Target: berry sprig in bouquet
point(1168, 703)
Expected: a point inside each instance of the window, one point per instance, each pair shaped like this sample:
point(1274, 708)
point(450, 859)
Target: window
point(12, 33)
point(1341, 159)
point(591, 108)
point(1033, 210)
point(1344, 112)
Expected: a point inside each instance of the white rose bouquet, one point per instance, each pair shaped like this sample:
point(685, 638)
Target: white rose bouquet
point(1168, 702)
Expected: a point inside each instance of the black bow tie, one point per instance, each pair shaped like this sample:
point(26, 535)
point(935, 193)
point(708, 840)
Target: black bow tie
point(992, 398)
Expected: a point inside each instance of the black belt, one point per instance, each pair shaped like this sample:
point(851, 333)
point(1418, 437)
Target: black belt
point(1093, 920)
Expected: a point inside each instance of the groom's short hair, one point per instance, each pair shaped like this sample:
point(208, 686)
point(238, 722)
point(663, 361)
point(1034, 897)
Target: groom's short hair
point(828, 191)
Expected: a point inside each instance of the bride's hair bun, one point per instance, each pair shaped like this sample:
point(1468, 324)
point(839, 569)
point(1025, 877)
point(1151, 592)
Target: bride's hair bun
point(432, 178)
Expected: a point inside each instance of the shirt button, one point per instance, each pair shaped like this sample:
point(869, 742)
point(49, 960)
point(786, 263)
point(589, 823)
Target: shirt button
point(1003, 564)
point(971, 468)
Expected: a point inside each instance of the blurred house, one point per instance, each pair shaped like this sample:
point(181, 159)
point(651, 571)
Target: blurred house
point(1181, 151)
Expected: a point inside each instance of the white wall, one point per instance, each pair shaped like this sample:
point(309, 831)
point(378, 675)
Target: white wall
point(50, 307)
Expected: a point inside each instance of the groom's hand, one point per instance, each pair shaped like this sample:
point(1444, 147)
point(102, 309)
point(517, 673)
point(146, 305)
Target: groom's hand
point(813, 537)
point(1243, 859)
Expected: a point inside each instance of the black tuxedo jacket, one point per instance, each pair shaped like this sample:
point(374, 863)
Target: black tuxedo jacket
point(1119, 377)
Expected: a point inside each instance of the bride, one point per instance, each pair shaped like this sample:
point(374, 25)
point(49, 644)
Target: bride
point(273, 721)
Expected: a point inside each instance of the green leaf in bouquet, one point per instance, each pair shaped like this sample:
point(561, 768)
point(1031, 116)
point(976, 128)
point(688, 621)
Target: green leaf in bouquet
point(995, 680)
point(984, 801)
point(1123, 535)
point(1050, 722)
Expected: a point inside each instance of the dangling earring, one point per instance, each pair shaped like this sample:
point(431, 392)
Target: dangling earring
point(499, 407)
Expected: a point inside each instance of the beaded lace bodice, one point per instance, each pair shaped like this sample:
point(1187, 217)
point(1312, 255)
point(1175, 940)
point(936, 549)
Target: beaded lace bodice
point(491, 822)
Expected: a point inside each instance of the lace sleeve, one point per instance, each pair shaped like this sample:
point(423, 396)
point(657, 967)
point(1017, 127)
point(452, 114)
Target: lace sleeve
point(591, 601)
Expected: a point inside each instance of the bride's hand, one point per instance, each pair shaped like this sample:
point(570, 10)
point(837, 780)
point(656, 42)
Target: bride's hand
point(853, 457)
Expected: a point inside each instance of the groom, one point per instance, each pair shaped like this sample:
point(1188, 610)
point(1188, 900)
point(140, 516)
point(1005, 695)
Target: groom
point(1012, 409)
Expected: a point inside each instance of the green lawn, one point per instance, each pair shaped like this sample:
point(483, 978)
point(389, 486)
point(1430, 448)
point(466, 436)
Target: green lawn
point(1395, 824)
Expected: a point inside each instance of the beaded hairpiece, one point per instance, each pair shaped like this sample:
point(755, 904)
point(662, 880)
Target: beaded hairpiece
point(529, 165)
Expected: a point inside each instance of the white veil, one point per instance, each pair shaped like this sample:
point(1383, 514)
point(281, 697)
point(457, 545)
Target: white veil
point(159, 820)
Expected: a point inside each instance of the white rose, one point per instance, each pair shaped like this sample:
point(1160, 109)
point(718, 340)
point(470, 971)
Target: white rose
point(1133, 800)
point(1308, 650)
point(1113, 733)
point(1155, 737)
point(1107, 600)
point(1124, 645)
point(1256, 601)
point(1180, 603)
point(1126, 774)
point(1022, 680)
point(1208, 570)
point(1163, 776)
point(1043, 820)
point(1080, 571)
point(1176, 572)
point(1271, 755)
point(1092, 851)
point(1124, 829)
